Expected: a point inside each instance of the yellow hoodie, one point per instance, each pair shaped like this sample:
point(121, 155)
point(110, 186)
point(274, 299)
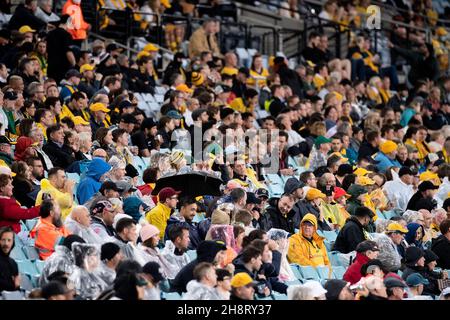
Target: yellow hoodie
point(308, 253)
point(65, 200)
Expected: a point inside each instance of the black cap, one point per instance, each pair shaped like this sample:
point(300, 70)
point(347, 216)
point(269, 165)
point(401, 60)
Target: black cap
point(112, 46)
point(131, 171)
point(128, 118)
point(426, 203)
point(252, 199)
point(125, 104)
point(261, 192)
point(148, 123)
point(413, 254)
point(6, 140)
point(73, 73)
point(392, 282)
point(427, 185)
point(404, 171)
point(293, 184)
point(108, 185)
point(367, 245)
point(225, 112)
point(430, 256)
point(334, 288)
point(344, 169)
point(245, 71)
point(364, 211)
point(153, 269)
point(10, 95)
point(109, 251)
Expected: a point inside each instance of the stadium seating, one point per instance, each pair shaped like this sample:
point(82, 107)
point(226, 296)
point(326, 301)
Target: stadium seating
point(172, 296)
point(39, 265)
point(192, 254)
point(296, 271)
point(309, 273)
point(338, 272)
point(31, 252)
point(17, 253)
point(27, 267)
point(13, 295)
point(279, 296)
point(30, 223)
point(25, 283)
point(325, 272)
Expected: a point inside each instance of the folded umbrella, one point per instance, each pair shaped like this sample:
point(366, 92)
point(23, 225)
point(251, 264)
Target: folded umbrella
point(191, 184)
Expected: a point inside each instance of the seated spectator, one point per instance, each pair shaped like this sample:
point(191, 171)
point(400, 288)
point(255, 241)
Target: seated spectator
point(103, 213)
point(202, 287)
point(242, 287)
point(158, 216)
point(389, 253)
point(441, 245)
point(79, 223)
point(61, 155)
point(126, 237)
point(365, 251)
point(338, 290)
point(395, 288)
point(49, 231)
point(416, 283)
point(9, 277)
point(306, 241)
point(175, 249)
point(110, 257)
point(279, 215)
point(90, 185)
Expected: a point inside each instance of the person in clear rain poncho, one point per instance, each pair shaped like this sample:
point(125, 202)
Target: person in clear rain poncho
point(61, 260)
point(88, 285)
point(224, 233)
point(281, 237)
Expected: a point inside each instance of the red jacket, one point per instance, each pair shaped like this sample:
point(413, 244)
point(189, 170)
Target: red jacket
point(11, 213)
point(353, 273)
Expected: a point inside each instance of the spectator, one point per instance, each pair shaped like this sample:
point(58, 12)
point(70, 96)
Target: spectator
point(365, 252)
point(158, 216)
point(126, 237)
point(175, 250)
point(25, 15)
point(416, 284)
point(395, 288)
point(110, 256)
point(49, 231)
point(441, 245)
point(389, 246)
point(103, 213)
point(306, 241)
point(204, 39)
point(202, 287)
point(338, 290)
point(79, 27)
point(399, 191)
point(9, 278)
point(91, 183)
point(79, 223)
point(242, 287)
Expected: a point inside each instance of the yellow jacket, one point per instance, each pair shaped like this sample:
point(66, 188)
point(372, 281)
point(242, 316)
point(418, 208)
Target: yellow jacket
point(421, 147)
point(255, 75)
point(66, 112)
point(65, 200)
point(158, 217)
point(308, 253)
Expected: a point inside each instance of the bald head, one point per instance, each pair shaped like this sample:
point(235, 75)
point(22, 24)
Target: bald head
point(99, 153)
point(81, 215)
point(427, 217)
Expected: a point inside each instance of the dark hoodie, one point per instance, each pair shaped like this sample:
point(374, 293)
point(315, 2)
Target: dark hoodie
point(206, 252)
point(441, 247)
point(351, 234)
point(8, 270)
point(273, 218)
point(91, 184)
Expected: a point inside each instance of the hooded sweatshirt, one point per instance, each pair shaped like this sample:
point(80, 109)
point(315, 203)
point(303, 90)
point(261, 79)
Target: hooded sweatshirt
point(91, 184)
point(8, 270)
point(206, 252)
point(308, 252)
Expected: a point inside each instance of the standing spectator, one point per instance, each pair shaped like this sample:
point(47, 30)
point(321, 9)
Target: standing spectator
point(44, 11)
point(9, 277)
point(204, 39)
point(79, 27)
point(25, 15)
point(60, 55)
point(49, 231)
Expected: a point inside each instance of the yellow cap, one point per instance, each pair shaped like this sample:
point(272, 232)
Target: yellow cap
point(26, 29)
point(241, 279)
point(230, 71)
point(142, 54)
point(197, 79)
point(184, 88)
point(364, 181)
point(361, 172)
point(337, 153)
point(441, 31)
point(428, 176)
point(395, 226)
point(388, 146)
point(314, 193)
point(151, 47)
point(99, 107)
point(79, 120)
point(166, 4)
point(310, 63)
point(86, 67)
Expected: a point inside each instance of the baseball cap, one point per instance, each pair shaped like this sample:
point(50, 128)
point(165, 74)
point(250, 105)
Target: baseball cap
point(72, 73)
point(125, 104)
point(26, 29)
point(427, 185)
point(367, 245)
point(184, 88)
point(109, 250)
point(148, 123)
point(151, 47)
point(404, 171)
point(388, 146)
point(6, 140)
point(321, 140)
point(10, 95)
point(395, 227)
point(392, 282)
point(292, 184)
point(314, 193)
point(154, 269)
point(416, 279)
point(361, 172)
point(128, 118)
point(174, 114)
point(252, 199)
point(339, 192)
point(125, 186)
point(167, 193)
point(148, 231)
point(428, 176)
point(79, 120)
point(344, 169)
point(334, 288)
point(86, 67)
point(261, 192)
point(242, 279)
point(365, 181)
point(102, 205)
point(98, 107)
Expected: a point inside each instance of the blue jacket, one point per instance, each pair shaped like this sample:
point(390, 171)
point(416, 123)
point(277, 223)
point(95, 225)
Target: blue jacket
point(385, 162)
point(91, 183)
point(194, 234)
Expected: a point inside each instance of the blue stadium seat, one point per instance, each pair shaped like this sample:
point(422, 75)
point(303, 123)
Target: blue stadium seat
point(339, 272)
point(309, 273)
point(334, 259)
point(328, 245)
point(320, 233)
point(39, 265)
point(13, 295)
point(25, 282)
point(172, 296)
point(295, 269)
point(390, 214)
point(330, 235)
point(17, 241)
point(17, 254)
point(381, 215)
point(30, 223)
point(293, 282)
point(23, 226)
point(31, 253)
point(279, 296)
point(325, 272)
point(73, 176)
point(264, 298)
point(27, 267)
point(192, 254)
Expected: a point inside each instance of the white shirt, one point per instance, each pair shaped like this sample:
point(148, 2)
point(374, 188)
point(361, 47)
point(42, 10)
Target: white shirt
point(442, 192)
point(3, 121)
point(188, 118)
point(398, 193)
point(294, 138)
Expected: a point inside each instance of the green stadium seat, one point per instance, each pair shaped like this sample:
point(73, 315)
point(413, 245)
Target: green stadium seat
point(30, 223)
point(339, 272)
point(309, 273)
point(328, 245)
point(390, 214)
point(293, 282)
point(73, 176)
point(334, 259)
point(279, 296)
point(330, 235)
point(172, 296)
point(192, 254)
point(39, 265)
point(263, 298)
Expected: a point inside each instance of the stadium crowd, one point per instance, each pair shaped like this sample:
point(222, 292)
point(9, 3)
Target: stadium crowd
point(329, 180)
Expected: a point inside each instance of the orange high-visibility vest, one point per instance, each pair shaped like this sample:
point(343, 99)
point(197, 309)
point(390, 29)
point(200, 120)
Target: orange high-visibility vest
point(79, 27)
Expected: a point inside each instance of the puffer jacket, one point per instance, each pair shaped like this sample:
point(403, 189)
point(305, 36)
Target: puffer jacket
point(308, 252)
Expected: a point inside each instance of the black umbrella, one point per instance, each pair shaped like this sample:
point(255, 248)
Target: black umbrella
point(192, 184)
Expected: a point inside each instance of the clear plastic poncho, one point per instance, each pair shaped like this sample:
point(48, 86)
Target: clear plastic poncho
point(61, 260)
point(87, 283)
point(174, 262)
point(281, 237)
